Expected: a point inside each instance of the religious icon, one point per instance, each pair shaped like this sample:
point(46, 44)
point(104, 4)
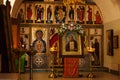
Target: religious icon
point(97, 51)
point(80, 14)
point(39, 44)
point(49, 14)
point(95, 42)
point(20, 15)
point(98, 18)
point(24, 30)
point(71, 13)
point(95, 31)
point(24, 40)
point(96, 54)
point(71, 44)
point(39, 13)
point(110, 42)
point(60, 13)
point(52, 31)
point(89, 16)
point(29, 12)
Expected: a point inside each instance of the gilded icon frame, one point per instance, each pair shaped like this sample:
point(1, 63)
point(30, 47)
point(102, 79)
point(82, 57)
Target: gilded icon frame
point(109, 37)
point(79, 52)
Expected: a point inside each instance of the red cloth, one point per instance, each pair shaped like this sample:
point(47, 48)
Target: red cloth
point(53, 40)
point(71, 66)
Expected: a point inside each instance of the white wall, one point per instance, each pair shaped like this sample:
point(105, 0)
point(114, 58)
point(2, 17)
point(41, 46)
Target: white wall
point(110, 9)
point(109, 61)
point(14, 6)
point(12, 2)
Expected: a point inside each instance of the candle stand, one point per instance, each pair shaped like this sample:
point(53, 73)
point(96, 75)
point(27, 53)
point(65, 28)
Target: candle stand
point(91, 51)
point(52, 74)
point(31, 52)
point(19, 51)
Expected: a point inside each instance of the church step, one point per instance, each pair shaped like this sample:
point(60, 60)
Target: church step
point(38, 70)
point(95, 69)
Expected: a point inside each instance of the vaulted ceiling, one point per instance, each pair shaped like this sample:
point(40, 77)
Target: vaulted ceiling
point(110, 9)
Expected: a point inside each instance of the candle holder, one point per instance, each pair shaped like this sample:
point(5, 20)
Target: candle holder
point(91, 51)
point(53, 51)
point(31, 52)
point(19, 51)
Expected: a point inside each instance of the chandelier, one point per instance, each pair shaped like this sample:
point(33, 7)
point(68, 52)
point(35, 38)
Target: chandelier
point(73, 2)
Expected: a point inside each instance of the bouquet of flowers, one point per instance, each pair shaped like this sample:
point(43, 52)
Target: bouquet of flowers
point(72, 27)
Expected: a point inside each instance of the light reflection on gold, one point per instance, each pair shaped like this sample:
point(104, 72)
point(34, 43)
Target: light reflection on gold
point(90, 49)
point(73, 2)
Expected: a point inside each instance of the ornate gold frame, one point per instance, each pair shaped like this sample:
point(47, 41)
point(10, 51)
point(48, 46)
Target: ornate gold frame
point(79, 39)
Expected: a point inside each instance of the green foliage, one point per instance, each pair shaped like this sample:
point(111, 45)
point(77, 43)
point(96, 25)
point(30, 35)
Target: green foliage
point(70, 27)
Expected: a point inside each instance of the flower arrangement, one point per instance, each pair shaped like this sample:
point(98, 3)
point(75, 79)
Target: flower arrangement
point(71, 27)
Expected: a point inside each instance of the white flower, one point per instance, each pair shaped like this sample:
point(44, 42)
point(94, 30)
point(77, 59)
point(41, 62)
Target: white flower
point(71, 27)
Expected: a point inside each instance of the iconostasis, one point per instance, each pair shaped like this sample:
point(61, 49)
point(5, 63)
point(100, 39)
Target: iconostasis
point(46, 17)
point(54, 13)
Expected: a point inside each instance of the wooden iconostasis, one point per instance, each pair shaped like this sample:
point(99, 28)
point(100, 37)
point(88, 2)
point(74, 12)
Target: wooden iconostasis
point(54, 13)
point(48, 16)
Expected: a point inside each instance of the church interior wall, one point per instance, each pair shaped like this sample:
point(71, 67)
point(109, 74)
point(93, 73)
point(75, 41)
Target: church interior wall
point(112, 62)
point(28, 27)
point(112, 22)
point(110, 9)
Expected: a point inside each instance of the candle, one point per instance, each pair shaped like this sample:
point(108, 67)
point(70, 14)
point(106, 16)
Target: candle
point(23, 46)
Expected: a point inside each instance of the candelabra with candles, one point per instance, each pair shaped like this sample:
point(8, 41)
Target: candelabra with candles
point(91, 51)
point(53, 51)
point(19, 51)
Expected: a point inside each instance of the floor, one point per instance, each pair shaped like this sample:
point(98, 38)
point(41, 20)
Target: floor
point(44, 76)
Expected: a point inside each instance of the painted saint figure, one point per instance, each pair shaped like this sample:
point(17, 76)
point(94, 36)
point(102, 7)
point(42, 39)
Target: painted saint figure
point(98, 18)
point(39, 44)
point(72, 44)
point(20, 15)
point(49, 14)
point(29, 12)
point(97, 52)
point(71, 13)
point(40, 12)
point(80, 13)
point(89, 11)
point(60, 12)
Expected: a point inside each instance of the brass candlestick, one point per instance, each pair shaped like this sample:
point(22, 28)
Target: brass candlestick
point(91, 51)
point(31, 52)
point(52, 74)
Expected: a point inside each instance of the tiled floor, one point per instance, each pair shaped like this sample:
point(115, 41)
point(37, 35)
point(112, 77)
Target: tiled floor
point(44, 76)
